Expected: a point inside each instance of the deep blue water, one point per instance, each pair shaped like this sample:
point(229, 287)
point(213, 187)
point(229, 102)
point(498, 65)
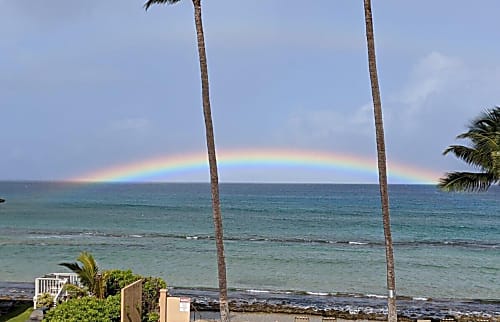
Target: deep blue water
point(316, 238)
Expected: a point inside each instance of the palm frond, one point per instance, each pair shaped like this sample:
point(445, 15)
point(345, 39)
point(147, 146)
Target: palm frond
point(485, 127)
point(467, 181)
point(89, 270)
point(89, 274)
point(149, 3)
point(476, 157)
point(480, 137)
point(88, 261)
point(489, 118)
point(483, 153)
point(75, 267)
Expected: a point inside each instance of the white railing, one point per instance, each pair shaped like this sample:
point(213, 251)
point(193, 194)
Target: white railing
point(53, 284)
point(72, 277)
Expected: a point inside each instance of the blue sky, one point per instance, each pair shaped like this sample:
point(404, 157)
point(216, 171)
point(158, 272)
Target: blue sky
point(87, 85)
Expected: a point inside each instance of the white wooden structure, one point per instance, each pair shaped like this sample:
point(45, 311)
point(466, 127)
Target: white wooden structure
point(53, 284)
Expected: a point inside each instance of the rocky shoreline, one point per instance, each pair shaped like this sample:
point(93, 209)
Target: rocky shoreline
point(344, 315)
point(7, 305)
point(345, 307)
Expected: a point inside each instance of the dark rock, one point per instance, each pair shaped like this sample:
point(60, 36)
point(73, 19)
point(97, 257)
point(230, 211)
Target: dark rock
point(36, 315)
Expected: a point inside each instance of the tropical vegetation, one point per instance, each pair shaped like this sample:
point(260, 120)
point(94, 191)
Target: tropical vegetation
point(103, 303)
point(86, 309)
point(483, 153)
point(212, 159)
point(381, 157)
point(45, 300)
point(90, 276)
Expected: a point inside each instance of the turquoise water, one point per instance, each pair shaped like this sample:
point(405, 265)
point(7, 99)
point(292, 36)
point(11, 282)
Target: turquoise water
point(278, 237)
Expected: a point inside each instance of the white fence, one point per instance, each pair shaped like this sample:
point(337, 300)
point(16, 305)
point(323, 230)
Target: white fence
point(53, 284)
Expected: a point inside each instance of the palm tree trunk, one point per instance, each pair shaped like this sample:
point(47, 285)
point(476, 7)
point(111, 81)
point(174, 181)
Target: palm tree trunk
point(381, 157)
point(212, 160)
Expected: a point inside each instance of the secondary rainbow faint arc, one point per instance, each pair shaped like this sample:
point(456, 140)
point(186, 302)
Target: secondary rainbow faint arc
point(175, 163)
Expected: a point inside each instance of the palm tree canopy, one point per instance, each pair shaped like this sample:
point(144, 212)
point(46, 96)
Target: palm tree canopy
point(482, 154)
point(149, 3)
point(88, 273)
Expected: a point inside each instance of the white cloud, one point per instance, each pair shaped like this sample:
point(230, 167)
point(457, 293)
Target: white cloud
point(435, 74)
point(432, 78)
point(421, 117)
point(441, 95)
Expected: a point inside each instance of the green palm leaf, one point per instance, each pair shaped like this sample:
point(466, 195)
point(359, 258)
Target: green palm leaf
point(72, 266)
point(468, 155)
point(467, 181)
point(88, 273)
point(483, 154)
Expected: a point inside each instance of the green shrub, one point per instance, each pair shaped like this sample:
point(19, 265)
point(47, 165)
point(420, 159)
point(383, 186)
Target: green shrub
point(75, 291)
point(113, 305)
point(86, 309)
point(45, 300)
point(91, 309)
point(152, 317)
point(150, 297)
point(117, 279)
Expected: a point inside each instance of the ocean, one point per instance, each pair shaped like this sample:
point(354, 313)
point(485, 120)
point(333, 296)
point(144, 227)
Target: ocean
point(303, 244)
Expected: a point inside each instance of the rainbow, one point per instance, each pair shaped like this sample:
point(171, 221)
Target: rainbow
point(170, 165)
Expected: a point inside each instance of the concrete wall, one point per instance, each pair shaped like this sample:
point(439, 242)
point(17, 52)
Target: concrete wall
point(131, 305)
point(174, 309)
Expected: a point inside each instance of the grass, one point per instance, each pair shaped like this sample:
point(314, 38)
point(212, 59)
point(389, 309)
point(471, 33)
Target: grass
point(20, 313)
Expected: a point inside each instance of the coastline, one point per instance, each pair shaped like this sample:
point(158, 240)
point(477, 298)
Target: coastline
point(255, 305)
point(342, 306)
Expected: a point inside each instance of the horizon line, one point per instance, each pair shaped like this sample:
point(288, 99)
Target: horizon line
point(207, 182)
